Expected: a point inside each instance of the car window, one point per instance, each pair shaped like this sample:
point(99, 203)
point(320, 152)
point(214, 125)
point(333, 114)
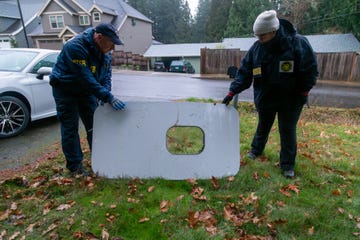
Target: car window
point(176, 63)
point(14, 60)
point(47, 61)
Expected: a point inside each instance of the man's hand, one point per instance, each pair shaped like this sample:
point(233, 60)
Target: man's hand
point(228, 98)
point(117, 104)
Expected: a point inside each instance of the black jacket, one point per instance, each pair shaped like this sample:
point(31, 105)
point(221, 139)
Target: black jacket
point(281, 70)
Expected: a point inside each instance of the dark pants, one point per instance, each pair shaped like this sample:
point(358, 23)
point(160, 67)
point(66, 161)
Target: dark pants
point(69, 108)
point(287, 121)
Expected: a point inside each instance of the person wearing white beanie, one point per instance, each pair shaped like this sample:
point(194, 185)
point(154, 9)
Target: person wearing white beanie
point(266, 22)
point(282, 67)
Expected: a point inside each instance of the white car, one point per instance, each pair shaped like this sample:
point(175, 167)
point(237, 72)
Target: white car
point(25, 92)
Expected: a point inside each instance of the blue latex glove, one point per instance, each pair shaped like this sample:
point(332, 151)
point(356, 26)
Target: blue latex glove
point(117, 104)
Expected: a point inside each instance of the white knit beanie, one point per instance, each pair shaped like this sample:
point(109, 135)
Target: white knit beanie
point(266, 22)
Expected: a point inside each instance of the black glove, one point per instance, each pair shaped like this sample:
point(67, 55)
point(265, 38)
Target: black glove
point(228, 98)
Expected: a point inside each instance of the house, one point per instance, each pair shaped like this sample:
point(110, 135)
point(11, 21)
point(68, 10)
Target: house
point(50, 23)
point(169, 52)
point(12, 33)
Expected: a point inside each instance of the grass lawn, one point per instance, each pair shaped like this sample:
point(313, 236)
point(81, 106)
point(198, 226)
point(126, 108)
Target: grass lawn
point(321, 202)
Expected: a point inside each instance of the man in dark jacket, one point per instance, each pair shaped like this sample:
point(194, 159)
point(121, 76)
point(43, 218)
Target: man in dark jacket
point(81, 77)
point(283, 68)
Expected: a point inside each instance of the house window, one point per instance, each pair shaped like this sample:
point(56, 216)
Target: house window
point(84, 20)
point(96, 17)
point(56, 21)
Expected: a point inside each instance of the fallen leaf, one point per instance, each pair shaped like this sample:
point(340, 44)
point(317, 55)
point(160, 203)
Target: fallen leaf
point(336, 192)
point(151, 189)
point(323, 135)
point(231, 178)
point(286, 193)
point(144, 219)
point(30, 228)
point(164, 206)
point(50, 228)
point(63, 207)
point(197, 192)
point(255, 176)
point(13, 206)
point(14, 236)
point(180, 197)
point(133, 200)
point(311, 230)
point(104, 234)
point(266, 175)
point(215, 182)
point(4, 215)
point(192, 181)
point(293, 188)
point(113, 206)
point(163, 220)
point(78, 235)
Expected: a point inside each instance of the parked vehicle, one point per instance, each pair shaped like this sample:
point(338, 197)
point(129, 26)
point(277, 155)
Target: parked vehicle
point(159, 66)
point(25, 93)
point(181, 66)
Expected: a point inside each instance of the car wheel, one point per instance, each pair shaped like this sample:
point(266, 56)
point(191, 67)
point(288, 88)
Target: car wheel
point(14, 116)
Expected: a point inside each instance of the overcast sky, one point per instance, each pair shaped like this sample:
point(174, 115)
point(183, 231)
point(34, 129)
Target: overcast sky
point(193, 6)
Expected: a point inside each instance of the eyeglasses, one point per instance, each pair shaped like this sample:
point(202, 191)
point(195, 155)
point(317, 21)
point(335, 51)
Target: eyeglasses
point(262, 35)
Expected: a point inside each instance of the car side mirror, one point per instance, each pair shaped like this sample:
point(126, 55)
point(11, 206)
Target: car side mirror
point(43, 71)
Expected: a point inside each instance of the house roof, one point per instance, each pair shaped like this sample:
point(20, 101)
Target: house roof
point(320, 43)
point(10, 9)
point(334, 43)
point(117, 8)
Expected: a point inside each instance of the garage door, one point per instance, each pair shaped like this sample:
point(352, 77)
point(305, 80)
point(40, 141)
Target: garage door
point(50, 44)
point(5, 43)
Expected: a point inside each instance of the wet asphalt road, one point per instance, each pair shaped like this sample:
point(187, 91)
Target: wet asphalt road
point(42, 136)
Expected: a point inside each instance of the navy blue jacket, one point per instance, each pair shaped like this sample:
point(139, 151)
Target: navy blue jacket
point(280, 70)
point(81, 69)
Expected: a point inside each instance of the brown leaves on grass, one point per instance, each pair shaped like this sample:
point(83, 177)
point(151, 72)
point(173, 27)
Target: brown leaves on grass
point(288, 189)
point(205, 218)
point(197, 193)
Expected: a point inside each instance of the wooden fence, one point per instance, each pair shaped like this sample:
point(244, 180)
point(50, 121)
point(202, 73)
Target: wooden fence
point(331, 66)
point(339, 66)
point(217, 61)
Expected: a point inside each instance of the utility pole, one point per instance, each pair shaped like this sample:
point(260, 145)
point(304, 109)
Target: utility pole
point(23, 25)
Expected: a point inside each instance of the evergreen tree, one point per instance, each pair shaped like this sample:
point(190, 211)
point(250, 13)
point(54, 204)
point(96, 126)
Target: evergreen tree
point(242, 16)
point(201, 20)
point(218, 17)
point(172, 18)
point(334, 16)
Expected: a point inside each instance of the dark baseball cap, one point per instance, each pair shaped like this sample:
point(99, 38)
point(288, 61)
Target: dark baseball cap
point(108, 30)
